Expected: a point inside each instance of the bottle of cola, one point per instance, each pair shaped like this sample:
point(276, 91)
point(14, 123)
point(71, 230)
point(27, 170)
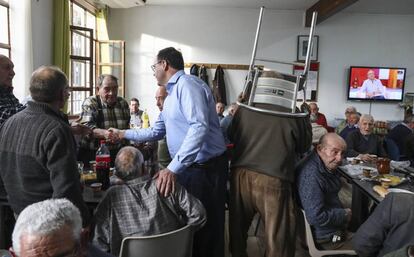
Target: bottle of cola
point(103, 161)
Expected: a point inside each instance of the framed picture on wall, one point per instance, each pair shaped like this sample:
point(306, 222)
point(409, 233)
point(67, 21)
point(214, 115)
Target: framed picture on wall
point(303, 47)
point(311, 82)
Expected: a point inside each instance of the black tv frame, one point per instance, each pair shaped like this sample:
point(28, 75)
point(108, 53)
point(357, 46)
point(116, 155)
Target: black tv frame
point(370, 99)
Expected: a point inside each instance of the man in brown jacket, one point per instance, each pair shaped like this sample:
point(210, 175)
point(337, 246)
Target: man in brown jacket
point(266, 148)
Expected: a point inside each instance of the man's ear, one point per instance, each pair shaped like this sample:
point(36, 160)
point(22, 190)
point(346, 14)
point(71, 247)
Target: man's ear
point(12, 253)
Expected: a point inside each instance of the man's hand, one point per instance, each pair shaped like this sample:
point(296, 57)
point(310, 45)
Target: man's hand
point(165, 181)
point(115, 135)
point(366, 157)
point(80, 129)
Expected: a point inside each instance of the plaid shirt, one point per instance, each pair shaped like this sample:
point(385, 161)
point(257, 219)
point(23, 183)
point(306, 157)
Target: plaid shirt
point(136, 209)
point(9, 105)
point(116, 116)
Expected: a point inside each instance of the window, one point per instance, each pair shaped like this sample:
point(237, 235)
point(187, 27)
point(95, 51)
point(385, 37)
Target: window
point(5, 30)
point(82, 60)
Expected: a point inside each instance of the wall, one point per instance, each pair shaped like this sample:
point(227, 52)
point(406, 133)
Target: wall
point(225, 35)
point(42, 30)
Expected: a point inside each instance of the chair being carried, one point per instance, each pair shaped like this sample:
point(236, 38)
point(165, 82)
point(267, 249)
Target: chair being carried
point(177, 243)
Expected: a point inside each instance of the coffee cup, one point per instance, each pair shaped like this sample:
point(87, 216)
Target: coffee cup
point(385, 182)
point(96, 188)
point(366, 172)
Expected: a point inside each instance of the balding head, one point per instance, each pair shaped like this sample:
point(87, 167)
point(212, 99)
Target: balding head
point(160, 96)
point(49, 84)
point(331, 149)
point(128, 163)
point(6, 71)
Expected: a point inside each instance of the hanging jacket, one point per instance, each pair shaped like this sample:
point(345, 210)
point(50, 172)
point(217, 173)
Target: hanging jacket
point(219, 87)
point(203, 74)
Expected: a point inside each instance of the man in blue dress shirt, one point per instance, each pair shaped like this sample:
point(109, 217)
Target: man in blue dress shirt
point(196, 145)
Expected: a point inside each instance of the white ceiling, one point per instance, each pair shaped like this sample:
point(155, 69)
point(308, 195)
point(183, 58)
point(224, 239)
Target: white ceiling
point(361, 6)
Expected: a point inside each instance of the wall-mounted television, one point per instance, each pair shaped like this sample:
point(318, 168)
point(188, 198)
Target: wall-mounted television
point(376, 83)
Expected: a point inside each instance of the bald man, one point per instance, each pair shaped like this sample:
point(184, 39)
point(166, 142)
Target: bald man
point(9, 105)
point(373, 87)
point(318, 184)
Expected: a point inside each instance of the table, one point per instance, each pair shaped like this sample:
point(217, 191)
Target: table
point(363, 195)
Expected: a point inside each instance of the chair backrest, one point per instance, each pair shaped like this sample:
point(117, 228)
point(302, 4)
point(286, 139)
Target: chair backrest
point(392, 149)
point(177, 243)
point(279, 90)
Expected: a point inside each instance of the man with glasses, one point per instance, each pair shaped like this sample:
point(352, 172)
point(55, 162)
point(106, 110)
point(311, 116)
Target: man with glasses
point(101, 112)
point(196, 145)
point(318, 184)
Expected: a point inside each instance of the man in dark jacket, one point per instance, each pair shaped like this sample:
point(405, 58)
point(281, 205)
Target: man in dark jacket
point(266, 148)
point(363, 143)
point(37, 148)
point(389, 227)
point(318, 184)
point(401, 132)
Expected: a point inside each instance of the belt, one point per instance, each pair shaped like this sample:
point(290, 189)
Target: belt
point(207, 164)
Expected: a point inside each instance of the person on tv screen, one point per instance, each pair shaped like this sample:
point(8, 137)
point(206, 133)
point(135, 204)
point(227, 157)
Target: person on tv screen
point(373, 87)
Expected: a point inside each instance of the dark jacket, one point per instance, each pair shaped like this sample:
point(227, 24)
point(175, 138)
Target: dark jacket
point(389, 228)
point(37, 156)
point(219, 86)
point(358, 144)
point(318, 194)
point(399, 134)
point(269, 144)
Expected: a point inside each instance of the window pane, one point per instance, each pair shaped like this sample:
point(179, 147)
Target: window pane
point(4, 51)
point(4, 29)
point(91, 22)
point(110, 52)
point(78, 16)
point(81, 43)
point(75, 101)
point(80, 74)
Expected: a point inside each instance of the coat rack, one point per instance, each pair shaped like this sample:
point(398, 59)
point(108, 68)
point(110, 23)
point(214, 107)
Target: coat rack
point(214, 66)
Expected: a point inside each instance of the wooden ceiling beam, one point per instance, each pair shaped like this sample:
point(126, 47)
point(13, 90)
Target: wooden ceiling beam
point(325, 9)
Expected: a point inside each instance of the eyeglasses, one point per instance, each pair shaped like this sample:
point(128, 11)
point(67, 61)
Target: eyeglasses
point(153, 66)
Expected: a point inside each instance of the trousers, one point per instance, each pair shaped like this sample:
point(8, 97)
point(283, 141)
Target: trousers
point(208, 184)
point(252, 192)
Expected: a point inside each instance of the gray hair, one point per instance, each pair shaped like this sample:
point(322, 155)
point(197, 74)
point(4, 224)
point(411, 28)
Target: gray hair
point(128, 163)
point(351, 109)
point(103, 76)
point(46, 217)
point(366, 117)
point(46, 84)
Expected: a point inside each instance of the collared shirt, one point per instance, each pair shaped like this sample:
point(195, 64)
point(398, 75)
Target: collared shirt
point(189, 120)
point(116, 116)
point(9, 105)
point(136, 119)
point(373, 87)
point(137, 209)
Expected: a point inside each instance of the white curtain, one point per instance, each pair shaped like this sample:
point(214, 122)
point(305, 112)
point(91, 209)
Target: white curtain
point(21, 42)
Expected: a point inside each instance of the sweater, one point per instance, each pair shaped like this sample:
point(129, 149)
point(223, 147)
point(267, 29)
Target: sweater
point(399, 134)
point(37, 156)
point(268, 144)
point(359, 144)
point(388, 228)
point(318, 193)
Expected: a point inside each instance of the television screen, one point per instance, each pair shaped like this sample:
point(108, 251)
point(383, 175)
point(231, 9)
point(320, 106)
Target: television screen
point(376, 83)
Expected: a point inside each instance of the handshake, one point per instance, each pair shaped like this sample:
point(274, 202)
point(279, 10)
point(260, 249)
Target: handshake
point(114, 135)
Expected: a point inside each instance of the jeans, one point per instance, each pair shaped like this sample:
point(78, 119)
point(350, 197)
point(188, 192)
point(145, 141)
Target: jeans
point(209, 186)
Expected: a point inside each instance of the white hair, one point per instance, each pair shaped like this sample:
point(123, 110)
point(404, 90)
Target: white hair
point(46, 217)
point(366, 117)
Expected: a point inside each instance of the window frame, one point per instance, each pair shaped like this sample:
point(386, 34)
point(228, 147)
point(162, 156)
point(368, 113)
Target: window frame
point(8, 45)
point(91, 58)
